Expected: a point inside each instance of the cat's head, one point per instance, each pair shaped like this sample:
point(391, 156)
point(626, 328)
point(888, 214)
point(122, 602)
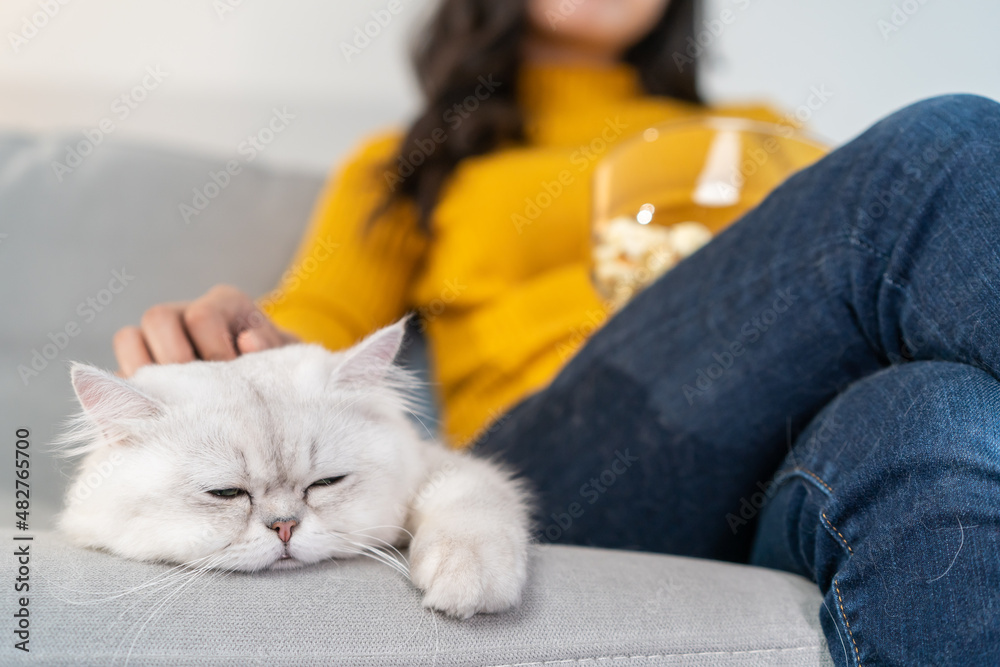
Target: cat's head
point(225, 461)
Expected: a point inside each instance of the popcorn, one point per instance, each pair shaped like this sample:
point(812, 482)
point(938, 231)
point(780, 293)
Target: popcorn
point(629, 256)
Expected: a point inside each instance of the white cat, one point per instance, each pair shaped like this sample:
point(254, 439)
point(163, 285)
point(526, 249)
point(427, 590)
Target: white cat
point(289, 457)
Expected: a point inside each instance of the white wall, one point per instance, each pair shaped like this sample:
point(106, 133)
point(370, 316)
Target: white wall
point(227, 70)
point(783, 47)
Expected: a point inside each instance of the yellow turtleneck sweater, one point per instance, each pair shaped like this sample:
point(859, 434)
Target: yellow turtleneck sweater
point(503, 285)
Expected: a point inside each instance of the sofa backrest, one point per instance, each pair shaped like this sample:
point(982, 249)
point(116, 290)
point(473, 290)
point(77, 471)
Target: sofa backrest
point(88, 242)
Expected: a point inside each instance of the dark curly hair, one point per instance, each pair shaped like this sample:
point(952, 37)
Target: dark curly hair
point(469, 42)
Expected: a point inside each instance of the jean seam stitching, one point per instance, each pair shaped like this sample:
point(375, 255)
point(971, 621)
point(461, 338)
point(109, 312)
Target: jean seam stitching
point(858, 242)
point(847, 623)
point(892, 282)
point(852, 238)
point(839, 534)
point(782, 477)
point(815, 477)
point(850, 551)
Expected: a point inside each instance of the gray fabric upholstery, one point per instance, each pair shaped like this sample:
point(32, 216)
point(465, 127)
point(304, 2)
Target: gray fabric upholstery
point(119, 210)
point(582, 607)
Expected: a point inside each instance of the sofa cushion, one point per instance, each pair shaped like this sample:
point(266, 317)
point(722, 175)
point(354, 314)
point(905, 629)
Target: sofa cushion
point(583, 606)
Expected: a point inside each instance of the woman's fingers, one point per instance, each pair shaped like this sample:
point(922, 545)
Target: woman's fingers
point(250, 330)
point(217, 321)
point(218, 326)
point(263, 337)
point(163, 329)
point(211, 329)
point(130, 350)
point(251, 340)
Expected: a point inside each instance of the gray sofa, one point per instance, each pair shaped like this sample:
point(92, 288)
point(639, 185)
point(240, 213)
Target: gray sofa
point(61, 237)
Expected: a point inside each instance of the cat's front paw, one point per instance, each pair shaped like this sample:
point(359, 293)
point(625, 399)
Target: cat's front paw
point(466, 574)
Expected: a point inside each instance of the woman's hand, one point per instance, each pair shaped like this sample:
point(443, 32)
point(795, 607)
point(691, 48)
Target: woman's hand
point(221, 325)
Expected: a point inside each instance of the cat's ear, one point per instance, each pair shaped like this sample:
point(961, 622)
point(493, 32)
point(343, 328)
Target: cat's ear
point(372, 359)
point(110, 401)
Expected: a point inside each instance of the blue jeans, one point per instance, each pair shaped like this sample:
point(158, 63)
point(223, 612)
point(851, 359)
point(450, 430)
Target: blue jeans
point(816, 390)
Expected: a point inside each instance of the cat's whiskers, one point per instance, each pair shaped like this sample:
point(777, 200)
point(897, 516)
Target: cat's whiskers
point(161, 580)
point(399, 528)
point(179, 581)
point(362, 552)
point(388, 545)
point(418, 416)
point(376, 553)
point(402, 567)
point(176, 575)
point(162, 604)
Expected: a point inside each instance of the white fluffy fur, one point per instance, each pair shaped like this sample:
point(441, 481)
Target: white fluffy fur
point(272, 424)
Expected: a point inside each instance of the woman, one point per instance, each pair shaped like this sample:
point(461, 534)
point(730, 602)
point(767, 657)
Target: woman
point(816, 390)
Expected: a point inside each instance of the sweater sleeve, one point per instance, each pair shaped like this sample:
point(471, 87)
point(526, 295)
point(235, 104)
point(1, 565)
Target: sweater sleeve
point(348, 277)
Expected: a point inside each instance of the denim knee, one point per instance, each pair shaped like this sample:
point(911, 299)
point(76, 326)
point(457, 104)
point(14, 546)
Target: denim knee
point(939, 151)
point(950, 124)
point(913, 442)
point(963, 110)
point(942, 416)
point(894, 515)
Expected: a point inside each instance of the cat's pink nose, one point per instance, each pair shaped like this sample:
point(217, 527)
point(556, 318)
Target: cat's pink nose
point(284, 529)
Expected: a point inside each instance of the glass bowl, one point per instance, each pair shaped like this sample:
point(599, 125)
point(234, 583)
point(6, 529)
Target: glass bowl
point(663, 194)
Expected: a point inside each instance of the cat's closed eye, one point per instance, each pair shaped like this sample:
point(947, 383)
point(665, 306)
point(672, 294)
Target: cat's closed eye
point(227, 493)
point(327, 481)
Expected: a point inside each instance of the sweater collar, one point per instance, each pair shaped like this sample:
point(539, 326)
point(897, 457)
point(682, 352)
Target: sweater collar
point(559, 88)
